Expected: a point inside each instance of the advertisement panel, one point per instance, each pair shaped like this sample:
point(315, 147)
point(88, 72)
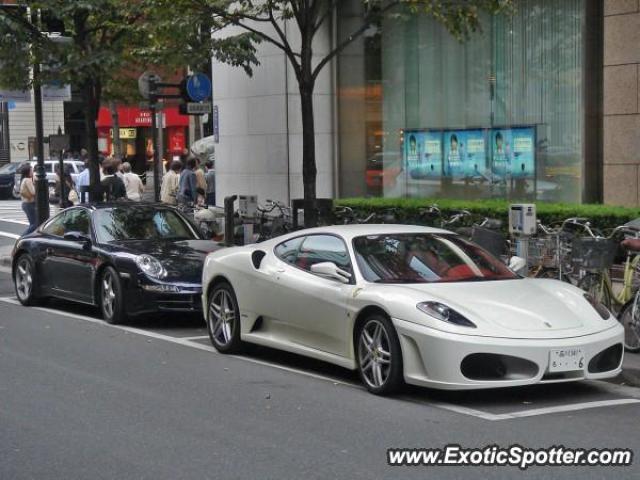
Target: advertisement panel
point(513, 152)
point(423, 154)
point(464, 153)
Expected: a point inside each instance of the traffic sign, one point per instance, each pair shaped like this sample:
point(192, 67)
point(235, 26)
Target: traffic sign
point(198, 87)
point(192, 108)
point(143, 83)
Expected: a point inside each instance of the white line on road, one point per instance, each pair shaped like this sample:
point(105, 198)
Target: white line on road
point(11, 220)
point(189, 342)
point(9, 235)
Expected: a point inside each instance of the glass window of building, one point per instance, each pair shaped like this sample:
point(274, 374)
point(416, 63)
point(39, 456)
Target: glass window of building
point(500, 115)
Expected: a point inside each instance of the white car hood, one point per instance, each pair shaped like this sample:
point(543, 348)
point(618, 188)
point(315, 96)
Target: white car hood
point(523, 308)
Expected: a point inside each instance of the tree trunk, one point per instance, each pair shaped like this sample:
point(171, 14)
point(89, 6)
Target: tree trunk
point(309, 171)
point(115, 121)
point(92, 106)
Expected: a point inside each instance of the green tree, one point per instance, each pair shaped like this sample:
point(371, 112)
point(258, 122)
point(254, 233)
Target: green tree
point(99, 32)
point(263, 21)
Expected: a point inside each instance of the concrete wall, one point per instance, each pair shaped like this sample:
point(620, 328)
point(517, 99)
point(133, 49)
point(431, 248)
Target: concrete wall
point(622, 102)
point(260, 149)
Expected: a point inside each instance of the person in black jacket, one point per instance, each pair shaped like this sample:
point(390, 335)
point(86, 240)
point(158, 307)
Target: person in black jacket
point(112, 184)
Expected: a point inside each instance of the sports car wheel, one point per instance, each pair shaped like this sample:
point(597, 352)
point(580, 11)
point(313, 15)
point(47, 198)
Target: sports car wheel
point(24, 281)
point(223, 319)
point(111, 302)
point(379, 356)
point(630, 320)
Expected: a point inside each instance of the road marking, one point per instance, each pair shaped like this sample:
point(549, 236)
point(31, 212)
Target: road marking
point(189, 342)
point(9, 235)
point(10, 220)
point(5, 269)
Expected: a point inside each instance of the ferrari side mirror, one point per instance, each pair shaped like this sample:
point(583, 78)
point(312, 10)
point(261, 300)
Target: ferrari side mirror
point(331, 270)
point(518, 265)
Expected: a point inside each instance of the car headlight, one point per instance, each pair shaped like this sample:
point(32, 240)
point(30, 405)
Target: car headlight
point(151, 266)
point(444, 313)
point(603, 311)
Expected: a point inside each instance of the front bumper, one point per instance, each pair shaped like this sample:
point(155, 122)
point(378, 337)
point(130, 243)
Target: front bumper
point(185, 299)
point(433, 358)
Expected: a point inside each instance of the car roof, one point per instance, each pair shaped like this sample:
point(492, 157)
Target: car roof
point(124, 203)
point(349, 232)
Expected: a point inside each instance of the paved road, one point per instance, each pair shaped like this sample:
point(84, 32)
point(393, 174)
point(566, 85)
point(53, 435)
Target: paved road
point(79, 399)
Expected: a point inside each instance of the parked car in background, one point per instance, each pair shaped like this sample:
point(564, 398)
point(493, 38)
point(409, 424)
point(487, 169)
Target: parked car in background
point(126, 258)
point(8, 178)
point(77, 166)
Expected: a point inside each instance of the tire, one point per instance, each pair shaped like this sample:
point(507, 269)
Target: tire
point(24, 281)
point(223, 319)
point(593, 284)
point(111, 297)
point(378, 356)
point(631, 324)
point(15, 195)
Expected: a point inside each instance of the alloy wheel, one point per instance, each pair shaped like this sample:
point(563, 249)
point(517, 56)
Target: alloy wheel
point(108, 295)
point(374, 353)
point(222, 316)
point(24, 279)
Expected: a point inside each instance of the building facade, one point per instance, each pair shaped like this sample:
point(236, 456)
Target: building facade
point(540, 105)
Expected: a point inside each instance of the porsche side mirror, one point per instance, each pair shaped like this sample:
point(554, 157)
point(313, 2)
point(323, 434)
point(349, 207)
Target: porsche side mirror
point(518, 265)
point(331, 270)
point(78, 237)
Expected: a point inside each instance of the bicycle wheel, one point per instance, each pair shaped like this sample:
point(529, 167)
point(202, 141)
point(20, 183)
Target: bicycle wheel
point(595, 285)
point(630, 319)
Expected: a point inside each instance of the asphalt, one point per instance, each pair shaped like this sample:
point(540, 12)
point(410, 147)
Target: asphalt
point(80, 399)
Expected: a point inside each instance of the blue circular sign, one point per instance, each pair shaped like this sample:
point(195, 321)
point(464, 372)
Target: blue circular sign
point(198, 87)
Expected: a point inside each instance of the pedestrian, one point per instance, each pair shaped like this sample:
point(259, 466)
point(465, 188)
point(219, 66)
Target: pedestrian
point(82, 182)
point(132, 183)
point(187, 189)
point(70, 192)
point(201, 183)
point(28, 197)
point(210, 177)
point(111, 183)
point(170, 183)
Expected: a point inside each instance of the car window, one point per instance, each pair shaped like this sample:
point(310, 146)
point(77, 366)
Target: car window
point(77, 220)
point(288, 251)
point(8, 168)
point(55, 226)
point(139, 223)
point(323, 248)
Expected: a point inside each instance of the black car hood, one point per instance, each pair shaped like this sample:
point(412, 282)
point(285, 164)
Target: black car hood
point(183, 259)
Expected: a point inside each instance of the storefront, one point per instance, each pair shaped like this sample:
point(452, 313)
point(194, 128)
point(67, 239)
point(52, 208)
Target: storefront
point(501, 115)
point(135, 134)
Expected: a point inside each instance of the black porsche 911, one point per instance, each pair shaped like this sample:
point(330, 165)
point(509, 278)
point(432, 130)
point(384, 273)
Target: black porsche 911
point(125, 258)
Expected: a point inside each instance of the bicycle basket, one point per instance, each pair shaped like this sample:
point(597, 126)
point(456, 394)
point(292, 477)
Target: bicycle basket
point(490, 240)
point(593, 253)
point(543, 252)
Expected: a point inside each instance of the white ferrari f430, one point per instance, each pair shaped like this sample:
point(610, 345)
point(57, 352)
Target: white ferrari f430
point(408, 304)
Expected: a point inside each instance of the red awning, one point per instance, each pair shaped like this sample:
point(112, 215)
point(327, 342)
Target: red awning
point(135, 117)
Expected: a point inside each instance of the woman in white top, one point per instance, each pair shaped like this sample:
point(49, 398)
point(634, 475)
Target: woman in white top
point(28, 197)
point(132, 183)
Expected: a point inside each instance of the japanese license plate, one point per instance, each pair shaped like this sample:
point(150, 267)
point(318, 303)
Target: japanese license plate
point(566, 359)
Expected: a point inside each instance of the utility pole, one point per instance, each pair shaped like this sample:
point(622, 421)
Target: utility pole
point(41, 183)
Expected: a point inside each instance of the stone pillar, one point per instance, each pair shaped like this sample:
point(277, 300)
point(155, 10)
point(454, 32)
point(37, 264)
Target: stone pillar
point(622, 102)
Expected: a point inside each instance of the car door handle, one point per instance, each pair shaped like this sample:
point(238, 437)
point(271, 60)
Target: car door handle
point(280, 270)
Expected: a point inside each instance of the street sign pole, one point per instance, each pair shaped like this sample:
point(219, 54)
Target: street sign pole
point(154, 138)
point(41, 183)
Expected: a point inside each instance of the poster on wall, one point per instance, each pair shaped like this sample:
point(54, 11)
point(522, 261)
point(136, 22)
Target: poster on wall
point(423, 154)
point(513, 152)
point(464, 153)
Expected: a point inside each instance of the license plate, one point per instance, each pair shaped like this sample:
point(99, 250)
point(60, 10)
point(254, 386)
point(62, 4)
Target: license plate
point(566, 359)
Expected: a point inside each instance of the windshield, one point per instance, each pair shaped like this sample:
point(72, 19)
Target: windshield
point(425, 258)
point(140, 223)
